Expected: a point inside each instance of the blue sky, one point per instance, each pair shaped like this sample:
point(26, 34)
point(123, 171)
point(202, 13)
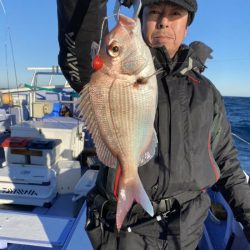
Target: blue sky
point(223, 25)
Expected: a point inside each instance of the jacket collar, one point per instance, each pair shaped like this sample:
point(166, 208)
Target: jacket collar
point(181, 64)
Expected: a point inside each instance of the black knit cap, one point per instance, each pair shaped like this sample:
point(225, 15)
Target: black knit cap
point(190, 5)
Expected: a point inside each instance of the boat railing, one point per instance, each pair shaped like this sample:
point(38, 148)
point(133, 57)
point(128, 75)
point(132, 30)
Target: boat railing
point(51, 72)
point(47, 79)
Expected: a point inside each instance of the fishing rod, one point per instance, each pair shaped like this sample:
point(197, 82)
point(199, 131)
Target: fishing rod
point(8, 35)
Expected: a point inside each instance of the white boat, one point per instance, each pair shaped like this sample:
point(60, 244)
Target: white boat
point(42, 190)
point(41, 173)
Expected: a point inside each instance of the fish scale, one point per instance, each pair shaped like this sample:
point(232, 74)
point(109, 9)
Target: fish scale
point(132, 121)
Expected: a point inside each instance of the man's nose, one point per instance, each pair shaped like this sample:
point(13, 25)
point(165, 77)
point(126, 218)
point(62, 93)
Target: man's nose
point(163, 22)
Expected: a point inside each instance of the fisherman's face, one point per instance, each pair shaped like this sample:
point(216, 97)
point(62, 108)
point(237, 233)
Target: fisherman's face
point(164, 24)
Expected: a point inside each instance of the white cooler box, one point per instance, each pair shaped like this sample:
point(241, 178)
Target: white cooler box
point(47, 151)
point(67, 129)
point(25, 191)
point(15, 149)
point(29, 174)
point(68, 175)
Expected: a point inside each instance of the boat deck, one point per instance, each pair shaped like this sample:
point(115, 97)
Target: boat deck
point(59, 227)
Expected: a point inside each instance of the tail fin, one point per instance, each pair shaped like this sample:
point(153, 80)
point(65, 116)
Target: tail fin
point(129, 192)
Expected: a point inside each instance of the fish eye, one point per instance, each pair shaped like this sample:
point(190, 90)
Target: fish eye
point(113, 50)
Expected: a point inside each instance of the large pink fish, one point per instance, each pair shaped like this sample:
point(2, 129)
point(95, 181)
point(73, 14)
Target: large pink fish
point(118, 106)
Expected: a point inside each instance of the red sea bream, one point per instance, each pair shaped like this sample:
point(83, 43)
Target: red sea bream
point(118, 106)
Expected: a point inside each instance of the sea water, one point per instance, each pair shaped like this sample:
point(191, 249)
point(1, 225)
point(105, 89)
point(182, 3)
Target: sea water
point(238, 113)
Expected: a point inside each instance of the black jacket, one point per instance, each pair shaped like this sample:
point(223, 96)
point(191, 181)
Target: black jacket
point(195, 149)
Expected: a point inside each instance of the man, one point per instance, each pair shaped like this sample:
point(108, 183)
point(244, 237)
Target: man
point(195, 148)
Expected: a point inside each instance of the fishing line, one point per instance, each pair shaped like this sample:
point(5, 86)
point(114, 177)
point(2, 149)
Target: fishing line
point(3, 7)
point(241, 139)
point(102, 28)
